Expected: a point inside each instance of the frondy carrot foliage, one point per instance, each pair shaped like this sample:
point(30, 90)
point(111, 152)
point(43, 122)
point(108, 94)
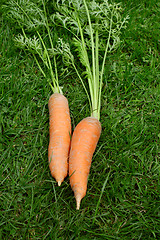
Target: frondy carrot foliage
point(96, 29)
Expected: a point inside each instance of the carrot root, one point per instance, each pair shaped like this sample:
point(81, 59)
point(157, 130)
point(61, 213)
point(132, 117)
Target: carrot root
point(59, 183)
point(83, 144)
point(78, 201)
point(59, 141)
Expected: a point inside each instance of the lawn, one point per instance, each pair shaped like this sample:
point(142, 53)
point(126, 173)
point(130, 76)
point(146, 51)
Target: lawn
point(122, 200)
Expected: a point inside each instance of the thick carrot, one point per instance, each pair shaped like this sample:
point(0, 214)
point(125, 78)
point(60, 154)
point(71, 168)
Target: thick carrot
point(84, 140)
point(60, 132)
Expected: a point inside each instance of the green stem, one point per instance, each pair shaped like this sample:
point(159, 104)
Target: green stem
point(87, 66)
point(95, 81)
point(103, 64)
point(49, 61)
point(92, 42)
point(39, 65)
point(82, 84)
point(51, 42)
point(97, 73)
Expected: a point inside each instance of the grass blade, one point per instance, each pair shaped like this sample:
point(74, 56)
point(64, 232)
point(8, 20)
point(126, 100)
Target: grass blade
point(99, 200)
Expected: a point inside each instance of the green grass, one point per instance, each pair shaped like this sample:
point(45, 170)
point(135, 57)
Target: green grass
point(122, 200)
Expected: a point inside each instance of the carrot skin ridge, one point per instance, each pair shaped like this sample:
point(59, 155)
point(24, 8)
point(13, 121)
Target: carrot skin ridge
point(59, 136)
point(83, 144)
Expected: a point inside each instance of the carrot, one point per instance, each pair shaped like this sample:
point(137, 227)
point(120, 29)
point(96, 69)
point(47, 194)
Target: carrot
point(96, 29)
point(60, 131)
point(83, 145)
point(60, 123)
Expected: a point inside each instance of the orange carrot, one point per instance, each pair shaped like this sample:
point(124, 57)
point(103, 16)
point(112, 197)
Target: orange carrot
point(60, 131)
point(84, 140)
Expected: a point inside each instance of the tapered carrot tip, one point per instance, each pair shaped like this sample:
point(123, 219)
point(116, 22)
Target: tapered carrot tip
point(59, 183)
point(78, 201)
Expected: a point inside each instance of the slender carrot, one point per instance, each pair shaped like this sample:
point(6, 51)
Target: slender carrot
point(83, 145)
point(40, 46)
point(60, 131)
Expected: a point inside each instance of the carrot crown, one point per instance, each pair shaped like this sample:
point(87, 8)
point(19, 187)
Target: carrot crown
point(96, 29)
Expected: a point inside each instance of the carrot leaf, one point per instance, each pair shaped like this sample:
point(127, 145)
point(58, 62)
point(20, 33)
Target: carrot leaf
point(96, 29)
